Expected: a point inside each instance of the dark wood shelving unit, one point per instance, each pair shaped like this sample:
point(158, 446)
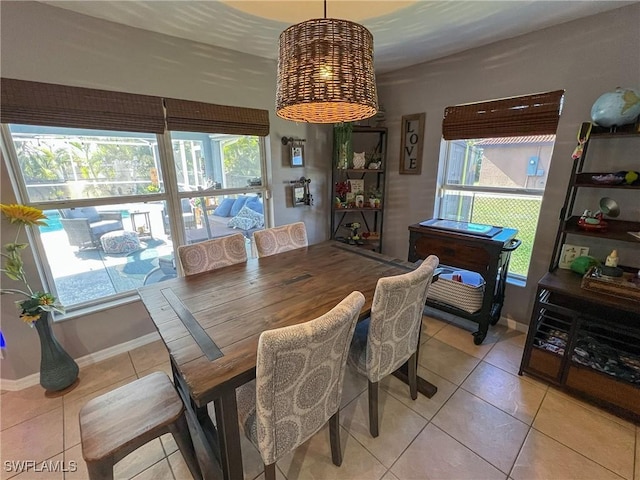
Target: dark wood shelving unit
point(571, 326)
point(370, 140)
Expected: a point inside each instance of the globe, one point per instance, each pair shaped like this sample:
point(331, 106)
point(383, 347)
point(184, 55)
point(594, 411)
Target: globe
point(616, 108)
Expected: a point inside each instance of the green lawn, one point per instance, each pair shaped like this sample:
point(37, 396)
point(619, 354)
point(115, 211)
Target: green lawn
point(518, 213)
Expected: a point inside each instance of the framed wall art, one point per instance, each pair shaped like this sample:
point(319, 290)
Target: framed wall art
point(297, 155)
point(411, 144)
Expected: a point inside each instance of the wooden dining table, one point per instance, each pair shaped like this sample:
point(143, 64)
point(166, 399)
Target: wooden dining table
point(211, 322)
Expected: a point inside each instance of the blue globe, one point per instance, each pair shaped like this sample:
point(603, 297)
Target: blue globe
point(616, 108)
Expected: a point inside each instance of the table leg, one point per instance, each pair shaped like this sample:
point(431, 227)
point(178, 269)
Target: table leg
point(424, 387)
point(203, 433)
point(227, 422)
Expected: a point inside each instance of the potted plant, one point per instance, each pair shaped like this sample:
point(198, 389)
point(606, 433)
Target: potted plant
point(375, 197)
point(342, 188)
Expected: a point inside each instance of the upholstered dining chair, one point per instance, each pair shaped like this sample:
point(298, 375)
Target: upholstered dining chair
point(389, 338)
point(212, 254)
point(298, 385)
point(280, 239)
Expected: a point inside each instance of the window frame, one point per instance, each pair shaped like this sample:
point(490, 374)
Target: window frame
point(442, 188)
point(171, 196)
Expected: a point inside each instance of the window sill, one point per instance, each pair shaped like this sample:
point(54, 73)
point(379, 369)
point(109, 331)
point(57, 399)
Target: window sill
point(131, 297)
point(517, 281)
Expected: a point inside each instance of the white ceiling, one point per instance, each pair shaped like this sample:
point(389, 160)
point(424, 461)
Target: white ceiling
point(417, 31)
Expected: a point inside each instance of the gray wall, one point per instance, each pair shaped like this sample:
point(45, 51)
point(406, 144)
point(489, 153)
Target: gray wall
point(585, 57)
point(47, 44)
point(43, 43)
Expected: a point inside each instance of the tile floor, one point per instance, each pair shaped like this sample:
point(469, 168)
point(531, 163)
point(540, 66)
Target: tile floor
point(484, 422)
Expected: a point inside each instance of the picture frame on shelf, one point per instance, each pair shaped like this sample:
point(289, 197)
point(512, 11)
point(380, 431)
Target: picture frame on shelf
point(569, 253)
point(356, 185)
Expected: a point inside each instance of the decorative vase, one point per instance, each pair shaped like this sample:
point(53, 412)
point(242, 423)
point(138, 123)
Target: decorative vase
point(57, 369)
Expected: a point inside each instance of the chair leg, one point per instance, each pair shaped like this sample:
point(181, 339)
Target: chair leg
point(412, 373)
point(270, 472)
point(373, 408)
point(334, 438)
point(100, 470)
point(182, 436)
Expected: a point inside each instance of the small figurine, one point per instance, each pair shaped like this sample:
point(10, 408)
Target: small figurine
point(354, 238)
point(358, 160)
point(612, 259)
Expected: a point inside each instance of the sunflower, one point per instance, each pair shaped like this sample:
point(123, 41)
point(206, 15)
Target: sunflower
point(24, 214)
point(25, 317)
point(13, 266)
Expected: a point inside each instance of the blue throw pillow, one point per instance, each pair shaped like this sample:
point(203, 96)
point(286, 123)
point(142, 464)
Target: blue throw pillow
point(254, 204)
point(238, 204)
point(224, 209)
point(90, 213)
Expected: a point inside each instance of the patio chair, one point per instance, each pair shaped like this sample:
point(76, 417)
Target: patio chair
point(84, 226)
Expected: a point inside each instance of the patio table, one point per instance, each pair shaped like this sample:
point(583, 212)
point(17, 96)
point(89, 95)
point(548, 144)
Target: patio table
point(211, 323)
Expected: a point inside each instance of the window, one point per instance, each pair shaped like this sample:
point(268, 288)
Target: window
point(124, 179)
point(497, 181)
point(494, 163)
point(109, 227)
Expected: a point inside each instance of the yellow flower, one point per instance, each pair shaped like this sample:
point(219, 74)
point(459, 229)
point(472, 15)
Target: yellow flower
point(29, 318)
point(47, 299)
point(24, 214)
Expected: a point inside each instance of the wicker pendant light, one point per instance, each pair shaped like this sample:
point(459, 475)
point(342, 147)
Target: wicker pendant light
point(325, 72)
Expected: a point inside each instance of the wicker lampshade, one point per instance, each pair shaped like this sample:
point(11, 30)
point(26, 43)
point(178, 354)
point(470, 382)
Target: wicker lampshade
point(325, 72)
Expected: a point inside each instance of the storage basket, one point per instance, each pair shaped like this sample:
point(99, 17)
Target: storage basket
point(466, 295)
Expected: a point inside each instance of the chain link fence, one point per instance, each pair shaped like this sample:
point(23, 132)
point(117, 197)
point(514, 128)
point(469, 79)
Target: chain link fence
point(516, 212)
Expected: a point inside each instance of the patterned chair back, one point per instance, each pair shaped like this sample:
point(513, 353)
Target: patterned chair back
point(299, 375)
point(280, 239)
point(396, 313)
point(212, 254)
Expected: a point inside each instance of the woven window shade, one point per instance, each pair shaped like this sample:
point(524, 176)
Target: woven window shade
point(325, 72)
point(536, 114)
point(36, 103)
point(189, 116)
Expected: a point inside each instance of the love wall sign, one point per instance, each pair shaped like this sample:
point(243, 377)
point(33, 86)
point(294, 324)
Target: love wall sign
point(411, 144)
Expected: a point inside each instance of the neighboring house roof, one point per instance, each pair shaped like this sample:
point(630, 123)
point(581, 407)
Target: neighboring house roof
point(517, 140)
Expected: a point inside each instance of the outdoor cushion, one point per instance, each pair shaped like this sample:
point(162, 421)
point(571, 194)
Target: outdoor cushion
point(238, 204)
point(254, 204)
point(100, 228)
point(224, 209)
point(243, 223)
point(90, 213)
point(120, 241)
point(257, 219)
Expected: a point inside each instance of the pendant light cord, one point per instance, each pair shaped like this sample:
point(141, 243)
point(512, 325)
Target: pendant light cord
point(325, 9)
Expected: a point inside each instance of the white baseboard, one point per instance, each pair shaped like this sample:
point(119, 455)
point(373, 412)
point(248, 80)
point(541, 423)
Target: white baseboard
point(34, 379)
point(449, 317)
point(513, 325)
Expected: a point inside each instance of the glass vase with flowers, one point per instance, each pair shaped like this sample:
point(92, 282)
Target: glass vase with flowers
point(57, 369)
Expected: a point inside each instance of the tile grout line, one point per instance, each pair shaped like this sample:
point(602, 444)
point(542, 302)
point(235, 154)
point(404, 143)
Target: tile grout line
point(567, 446)
point(459, 387)
point(581, 454)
